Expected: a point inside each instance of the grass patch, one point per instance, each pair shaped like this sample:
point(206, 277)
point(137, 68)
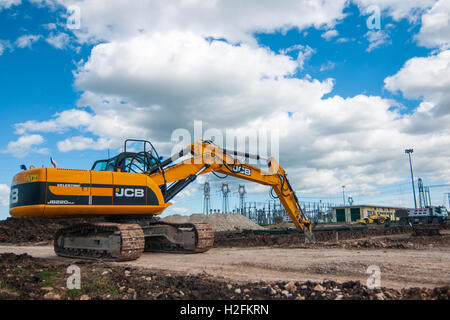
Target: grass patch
point(49, 273)
point(46, 283)
point(100, 286)
point(96, 286)
point(48, 277)
point(17, 271)
point(113, 289)
point(74, 294)
point(4, 286)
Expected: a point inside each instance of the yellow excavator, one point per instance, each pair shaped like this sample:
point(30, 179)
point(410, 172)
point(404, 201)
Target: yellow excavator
point(128, 191)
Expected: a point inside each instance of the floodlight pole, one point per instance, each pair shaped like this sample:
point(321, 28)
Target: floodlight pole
point(409, 151)
point(343, 194)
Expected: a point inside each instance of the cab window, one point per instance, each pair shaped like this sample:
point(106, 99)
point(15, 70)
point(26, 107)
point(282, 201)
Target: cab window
point(138, 164)
point(104, 165)
point(100, 165)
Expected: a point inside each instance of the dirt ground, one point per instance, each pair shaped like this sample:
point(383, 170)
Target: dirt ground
point(404, 261)
point(403, 269)
point(26, 277)
point(283, 238)
point(242, 265)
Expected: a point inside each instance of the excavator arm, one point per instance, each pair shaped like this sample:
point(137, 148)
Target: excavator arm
point(115, 189)
point(206, 157)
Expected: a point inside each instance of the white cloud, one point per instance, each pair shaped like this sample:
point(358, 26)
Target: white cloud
point(51, 4)
point(59, 41)
point(111, 121)
point(329, 65)
point(231, 19)
point(4, 44)
point(342, 40)
point(2, 47)
point(27, 40)
point(25, 145)
point(50, 26)
point(68, 119)
point(328, 35)
point(304, 53)
point(252, 188)
point(161, 74)
point(82, 143)
point(4, 195)
point(166, 81)
point(376, 39)
point(435, 29)
point(187, 193)
point(181, 58)
point(397, 9)
point(434, 16)
point(428, 79)
point(179, 210)
point(6, 4)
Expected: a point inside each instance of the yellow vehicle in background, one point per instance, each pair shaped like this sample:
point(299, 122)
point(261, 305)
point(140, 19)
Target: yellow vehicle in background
point(375, 218)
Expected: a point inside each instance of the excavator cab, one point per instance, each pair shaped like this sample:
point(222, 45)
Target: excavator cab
point(130, 162)
point(145, 161)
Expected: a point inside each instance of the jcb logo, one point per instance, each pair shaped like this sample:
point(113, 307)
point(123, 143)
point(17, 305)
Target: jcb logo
point(242, 170)
point(129, 193)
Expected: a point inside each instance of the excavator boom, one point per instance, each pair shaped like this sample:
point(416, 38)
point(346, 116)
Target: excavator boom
point(207, 157)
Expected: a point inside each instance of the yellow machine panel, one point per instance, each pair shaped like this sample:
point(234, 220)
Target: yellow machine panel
point(59, 193)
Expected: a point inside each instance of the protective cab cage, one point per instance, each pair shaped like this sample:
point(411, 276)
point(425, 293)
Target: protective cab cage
point(146, 161)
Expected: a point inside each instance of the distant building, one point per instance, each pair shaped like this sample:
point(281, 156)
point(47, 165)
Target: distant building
point(356, 212)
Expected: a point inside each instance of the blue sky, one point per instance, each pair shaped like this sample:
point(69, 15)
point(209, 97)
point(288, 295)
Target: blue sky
point(77, 70)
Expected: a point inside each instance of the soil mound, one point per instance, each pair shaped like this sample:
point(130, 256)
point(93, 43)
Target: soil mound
point(16, 230)
point(219, 222)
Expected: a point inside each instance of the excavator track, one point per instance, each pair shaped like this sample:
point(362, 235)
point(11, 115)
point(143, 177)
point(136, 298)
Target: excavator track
point(205, 237)
point(112, 241)
point(163, 236)
point(102, 241)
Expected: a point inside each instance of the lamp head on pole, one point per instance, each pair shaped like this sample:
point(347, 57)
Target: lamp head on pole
point(409, 151)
